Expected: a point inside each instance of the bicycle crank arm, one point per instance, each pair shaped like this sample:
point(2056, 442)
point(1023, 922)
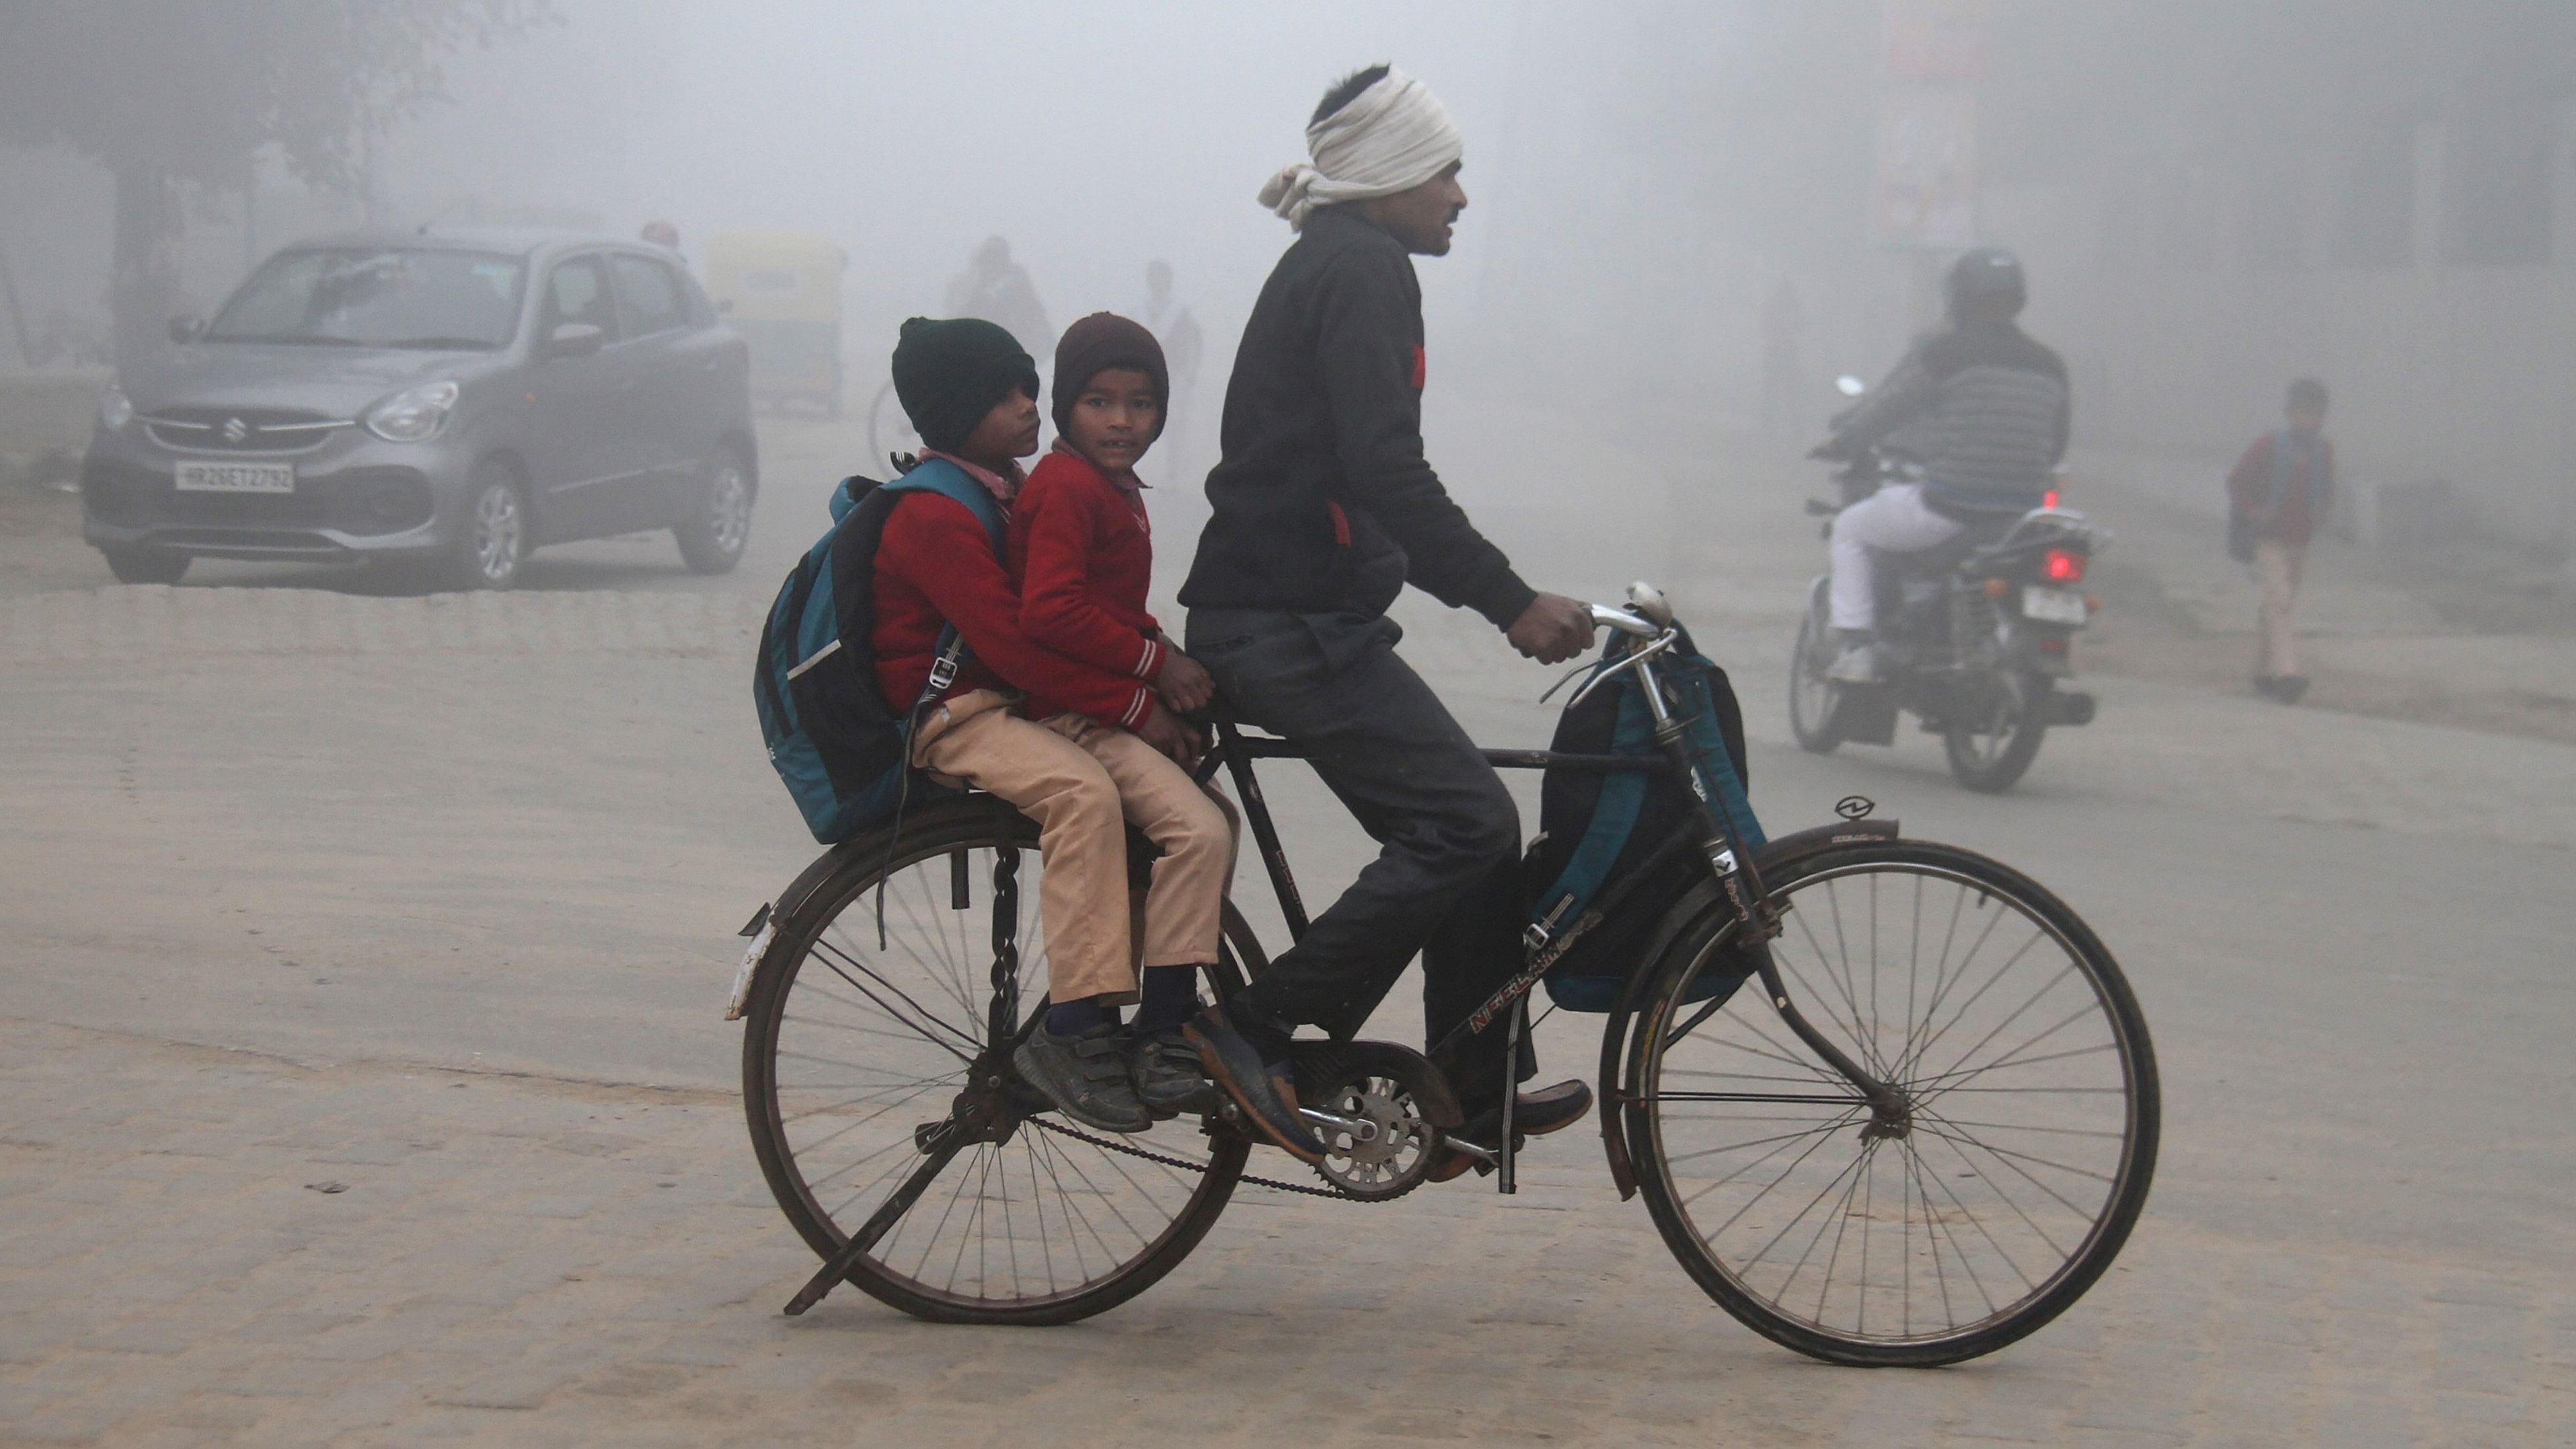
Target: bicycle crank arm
point(1465, 1148)
point(838, 1266)
point(1360, 1128)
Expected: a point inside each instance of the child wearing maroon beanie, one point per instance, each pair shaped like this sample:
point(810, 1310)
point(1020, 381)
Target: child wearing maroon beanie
point(1081, 553)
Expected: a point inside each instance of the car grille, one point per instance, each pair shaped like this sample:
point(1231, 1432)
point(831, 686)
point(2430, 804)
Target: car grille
point(363, 501)
point(271, 432)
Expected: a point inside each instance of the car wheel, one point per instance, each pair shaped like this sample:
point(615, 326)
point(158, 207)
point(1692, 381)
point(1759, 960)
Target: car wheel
point(718, 522)
point(495, 537)
point(145, 565)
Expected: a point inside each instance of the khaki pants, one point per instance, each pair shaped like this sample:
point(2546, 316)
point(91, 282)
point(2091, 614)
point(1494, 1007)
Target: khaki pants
point(2278, 568)
point(1084, 784)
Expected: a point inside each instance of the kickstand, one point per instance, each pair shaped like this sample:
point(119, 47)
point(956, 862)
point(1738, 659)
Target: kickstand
point(1506, 1152)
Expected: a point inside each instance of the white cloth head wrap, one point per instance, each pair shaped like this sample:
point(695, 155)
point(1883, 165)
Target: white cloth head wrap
point(1391, 137)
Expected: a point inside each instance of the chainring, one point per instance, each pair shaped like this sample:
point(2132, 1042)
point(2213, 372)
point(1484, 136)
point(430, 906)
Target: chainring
point(1398, 1093)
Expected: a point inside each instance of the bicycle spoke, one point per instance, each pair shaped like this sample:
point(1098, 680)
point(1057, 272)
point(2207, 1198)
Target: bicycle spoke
point(1828, 1212)
point(972, 1045)
point(870, 1042)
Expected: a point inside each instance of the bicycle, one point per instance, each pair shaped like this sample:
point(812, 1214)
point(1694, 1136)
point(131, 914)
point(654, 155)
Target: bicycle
point(1833, 1173)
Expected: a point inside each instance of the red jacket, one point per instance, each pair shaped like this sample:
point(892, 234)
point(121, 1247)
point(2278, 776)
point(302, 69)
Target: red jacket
point(1082, 553)
point(934, 567)
point(2301, 506)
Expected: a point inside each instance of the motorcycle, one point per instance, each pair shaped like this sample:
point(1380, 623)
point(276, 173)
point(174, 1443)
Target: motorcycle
point(1975, 637)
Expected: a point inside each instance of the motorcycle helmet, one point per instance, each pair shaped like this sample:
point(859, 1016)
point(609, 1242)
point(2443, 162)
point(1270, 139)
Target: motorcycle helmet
point(1985, 282)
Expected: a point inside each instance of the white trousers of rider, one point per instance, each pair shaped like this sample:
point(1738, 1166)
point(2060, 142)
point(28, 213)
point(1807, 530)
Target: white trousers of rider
point(1895, 519)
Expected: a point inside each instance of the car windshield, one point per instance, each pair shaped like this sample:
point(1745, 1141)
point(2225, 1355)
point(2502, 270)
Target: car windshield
point(377, 297)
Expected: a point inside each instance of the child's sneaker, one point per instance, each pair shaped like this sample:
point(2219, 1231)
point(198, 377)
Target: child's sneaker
point(1085, 1075)
point(1164, 1068)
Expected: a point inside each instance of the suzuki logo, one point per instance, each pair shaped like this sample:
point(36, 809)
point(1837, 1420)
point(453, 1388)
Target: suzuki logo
point(236, 431)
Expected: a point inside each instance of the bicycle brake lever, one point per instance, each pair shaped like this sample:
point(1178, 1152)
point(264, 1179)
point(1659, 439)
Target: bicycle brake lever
point(1603, 676)
point(1570, 675)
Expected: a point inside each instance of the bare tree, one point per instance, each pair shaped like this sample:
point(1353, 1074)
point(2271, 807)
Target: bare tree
point(166, 92)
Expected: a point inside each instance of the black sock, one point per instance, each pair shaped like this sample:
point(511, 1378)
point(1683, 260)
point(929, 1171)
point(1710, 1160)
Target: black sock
point(1073, 1018)
point(1170, 997)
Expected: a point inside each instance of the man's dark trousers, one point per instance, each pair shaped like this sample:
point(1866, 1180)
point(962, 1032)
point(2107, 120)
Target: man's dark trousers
point(1446, 882)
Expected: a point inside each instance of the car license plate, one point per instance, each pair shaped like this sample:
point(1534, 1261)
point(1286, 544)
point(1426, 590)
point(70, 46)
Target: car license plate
point(2052, 606)
point(199, 475)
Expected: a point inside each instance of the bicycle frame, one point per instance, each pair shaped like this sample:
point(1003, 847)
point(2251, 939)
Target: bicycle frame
point(1704, 831)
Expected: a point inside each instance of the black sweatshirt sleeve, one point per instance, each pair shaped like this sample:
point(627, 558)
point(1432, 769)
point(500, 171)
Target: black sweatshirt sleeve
point(1369, 318)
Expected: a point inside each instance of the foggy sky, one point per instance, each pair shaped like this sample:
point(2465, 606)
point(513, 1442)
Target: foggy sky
point(1095, 138)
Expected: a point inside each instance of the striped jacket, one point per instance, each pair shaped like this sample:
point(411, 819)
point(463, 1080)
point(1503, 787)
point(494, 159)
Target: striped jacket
point(1985, 409)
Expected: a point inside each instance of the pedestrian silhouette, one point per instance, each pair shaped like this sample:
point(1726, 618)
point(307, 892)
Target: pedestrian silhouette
point(997, 289)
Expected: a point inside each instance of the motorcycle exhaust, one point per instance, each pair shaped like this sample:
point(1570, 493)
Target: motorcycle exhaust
point(2074, 707)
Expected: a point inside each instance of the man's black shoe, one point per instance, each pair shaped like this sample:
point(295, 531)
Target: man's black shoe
point(1536, 1114)
point(1267, 1093)
point(1164, 1068)
point(1085, 1076)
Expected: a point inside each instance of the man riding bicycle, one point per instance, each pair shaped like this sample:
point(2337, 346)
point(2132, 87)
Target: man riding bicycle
point(1324, 509)
point(1986, 410)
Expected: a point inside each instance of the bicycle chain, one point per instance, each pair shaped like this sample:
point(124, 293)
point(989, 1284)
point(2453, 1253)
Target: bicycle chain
point(1167, 1160)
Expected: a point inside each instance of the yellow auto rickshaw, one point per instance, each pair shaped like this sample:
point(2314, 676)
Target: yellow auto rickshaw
point(782, 291)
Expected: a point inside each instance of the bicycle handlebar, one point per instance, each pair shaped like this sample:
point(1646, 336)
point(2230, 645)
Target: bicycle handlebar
point(1646, 616)
point(1621, 620)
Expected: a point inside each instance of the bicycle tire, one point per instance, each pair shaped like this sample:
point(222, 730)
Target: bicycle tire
point(1992, 776)
point(956, 829)
point(1742, 1283)
point(1811, 696)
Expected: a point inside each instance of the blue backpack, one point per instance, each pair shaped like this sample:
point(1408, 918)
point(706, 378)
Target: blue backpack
point(1600, 833)
point(842, 750)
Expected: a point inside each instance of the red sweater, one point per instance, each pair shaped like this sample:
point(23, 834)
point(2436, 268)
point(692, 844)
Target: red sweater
point(2302, 505)
point(1082, 553)
point(934, 567)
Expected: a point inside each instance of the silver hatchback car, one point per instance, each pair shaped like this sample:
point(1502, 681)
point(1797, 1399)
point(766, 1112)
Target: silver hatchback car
point(445, 402)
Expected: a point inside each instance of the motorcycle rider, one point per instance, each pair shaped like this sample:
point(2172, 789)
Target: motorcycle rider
point(1984, 407)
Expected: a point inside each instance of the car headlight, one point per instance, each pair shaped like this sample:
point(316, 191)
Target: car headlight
point(115, 410)
point(414, 416)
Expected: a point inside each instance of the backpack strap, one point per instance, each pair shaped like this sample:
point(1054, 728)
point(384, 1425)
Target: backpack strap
point(935, 475)
point(938, 475)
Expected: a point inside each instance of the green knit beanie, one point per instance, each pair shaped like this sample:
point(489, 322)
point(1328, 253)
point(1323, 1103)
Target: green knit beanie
point(949, 374)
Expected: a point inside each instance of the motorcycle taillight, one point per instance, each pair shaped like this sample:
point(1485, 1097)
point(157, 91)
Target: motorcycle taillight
point(2062, 566)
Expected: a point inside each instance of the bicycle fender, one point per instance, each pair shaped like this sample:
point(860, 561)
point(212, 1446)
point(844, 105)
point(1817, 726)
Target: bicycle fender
point(790, 904)
point(1616, 1089)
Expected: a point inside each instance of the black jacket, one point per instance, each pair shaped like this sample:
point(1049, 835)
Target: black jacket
point(1982, 406)
point(1323, 501)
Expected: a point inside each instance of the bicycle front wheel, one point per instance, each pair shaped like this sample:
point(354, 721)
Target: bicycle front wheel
point(861, 1054)
point(1976, 1205)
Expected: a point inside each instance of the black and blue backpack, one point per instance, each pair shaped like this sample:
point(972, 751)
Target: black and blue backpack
point(841, 749)
point(1602, 834)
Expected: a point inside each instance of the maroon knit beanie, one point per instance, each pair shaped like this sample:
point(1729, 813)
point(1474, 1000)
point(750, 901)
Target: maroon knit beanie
point(1098, 343)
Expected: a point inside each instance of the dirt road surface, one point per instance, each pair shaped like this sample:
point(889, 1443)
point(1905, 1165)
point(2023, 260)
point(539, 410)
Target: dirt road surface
point(361, 1075)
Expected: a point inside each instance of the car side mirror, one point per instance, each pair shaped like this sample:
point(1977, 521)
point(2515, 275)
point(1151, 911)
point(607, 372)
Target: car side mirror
point(186, 329)
point(574, 339)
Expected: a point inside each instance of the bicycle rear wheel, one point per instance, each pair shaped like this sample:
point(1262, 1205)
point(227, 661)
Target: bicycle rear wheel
point(1935, 1231)
point(856, 1054)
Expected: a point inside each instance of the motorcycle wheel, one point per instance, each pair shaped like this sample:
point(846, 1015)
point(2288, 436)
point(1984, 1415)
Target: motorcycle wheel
point(1990, 754)
point(1811, 695)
